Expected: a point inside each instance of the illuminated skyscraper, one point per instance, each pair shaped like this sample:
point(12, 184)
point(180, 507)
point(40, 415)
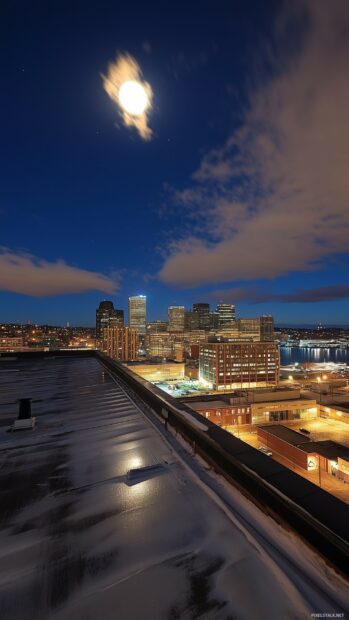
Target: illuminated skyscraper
point(137, 313)
point(120, 343)
point(176, 316)
point(191, 320)
point(202, 311)
point(107, 316)
point(226, 314)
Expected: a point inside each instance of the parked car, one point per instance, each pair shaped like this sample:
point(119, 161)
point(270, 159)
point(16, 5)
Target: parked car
point(305, 431)
point(265, 451)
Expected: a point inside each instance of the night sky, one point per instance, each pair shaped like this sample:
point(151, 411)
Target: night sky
point(242, 192)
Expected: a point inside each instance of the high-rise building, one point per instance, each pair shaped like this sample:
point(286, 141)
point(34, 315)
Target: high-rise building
point(214, 321)
point(249, 328)
point(191, 320)
point(266, 328)
point(137, 313)
point(160, 344)
point(203, 313)
point(156, 327)
point(120, 343)
point(226, 314)
point(176, 318)
point(107, 316)
point(232, 365)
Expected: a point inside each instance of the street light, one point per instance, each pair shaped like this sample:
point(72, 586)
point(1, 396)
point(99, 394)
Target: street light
point(319, 381)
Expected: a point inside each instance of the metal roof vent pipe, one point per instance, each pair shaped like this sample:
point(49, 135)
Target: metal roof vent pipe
point(25, 419)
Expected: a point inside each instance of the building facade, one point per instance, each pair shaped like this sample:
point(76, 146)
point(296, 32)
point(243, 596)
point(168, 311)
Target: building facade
point(233, 365)
point(10, 344)
point(156, 327)
point(202, 312)
point(176, 318)
point(266, 326)
point(159, 344)
point(137, 313)
point(226, 314)
point(249, 328)
point(107, 316)
point(191, 321)
point(120, 343)
point(157, 373)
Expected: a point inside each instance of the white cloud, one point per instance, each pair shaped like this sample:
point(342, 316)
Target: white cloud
point(27, 275)
point(276, 195)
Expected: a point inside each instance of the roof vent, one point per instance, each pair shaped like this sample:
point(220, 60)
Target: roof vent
point(25, 419)
point(139, 474)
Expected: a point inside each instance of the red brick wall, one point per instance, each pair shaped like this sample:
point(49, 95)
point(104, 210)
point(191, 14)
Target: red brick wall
point(292, 453)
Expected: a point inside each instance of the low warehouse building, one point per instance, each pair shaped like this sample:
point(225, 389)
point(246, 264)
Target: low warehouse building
point(343, 469)
point(235, 411)
point(221, 412)
point(156, 372)
point(303, 452)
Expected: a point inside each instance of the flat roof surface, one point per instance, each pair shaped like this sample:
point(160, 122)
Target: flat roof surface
point(209, 404)
point(100, 518)
point(327, 448)
point(286, 434)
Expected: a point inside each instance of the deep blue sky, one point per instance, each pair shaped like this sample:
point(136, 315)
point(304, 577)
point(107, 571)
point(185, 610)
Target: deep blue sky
point(79, 186)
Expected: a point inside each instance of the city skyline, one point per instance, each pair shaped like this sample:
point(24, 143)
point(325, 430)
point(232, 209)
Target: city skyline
point(228, 192)
point(163, 316)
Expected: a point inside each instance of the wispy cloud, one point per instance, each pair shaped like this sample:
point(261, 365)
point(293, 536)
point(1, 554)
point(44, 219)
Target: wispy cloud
point(25, 274)
point(126, 69)
point(257, 295)
point(274, 198)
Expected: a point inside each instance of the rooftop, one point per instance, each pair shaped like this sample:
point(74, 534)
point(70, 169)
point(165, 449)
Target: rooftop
point(286, 434)
point(208, 404)
point(101, 516)
point(329, 449)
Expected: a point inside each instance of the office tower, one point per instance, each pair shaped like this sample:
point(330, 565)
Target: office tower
point(160, 344)
point(266, 328)
point(214, 321)
point(232, 365)
point(249, 328)
point(191, 320)
point(116, 318)
point(202, 311)
point(176, 318)
point(156, 327)
point(226, 314)
point(106, 316)
point(120, 343)
point(137, 313)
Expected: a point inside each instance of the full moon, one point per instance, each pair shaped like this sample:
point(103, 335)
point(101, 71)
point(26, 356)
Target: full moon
point(133, 98)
